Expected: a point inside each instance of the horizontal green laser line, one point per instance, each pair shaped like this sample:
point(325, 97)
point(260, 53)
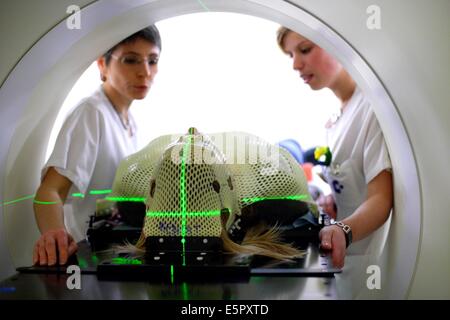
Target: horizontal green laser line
point(77, 195)
point(45, 202)
point(118, 199)
point(180, 214)
point(17, 200)
point(256, 199)
point(99, 191)
point(126, 261)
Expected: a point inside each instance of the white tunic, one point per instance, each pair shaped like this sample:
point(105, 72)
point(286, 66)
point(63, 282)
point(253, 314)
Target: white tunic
point(89, 147)
point(359, 154)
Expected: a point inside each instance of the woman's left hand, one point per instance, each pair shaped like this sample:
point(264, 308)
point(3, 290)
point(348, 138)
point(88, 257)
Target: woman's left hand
point(333, 238)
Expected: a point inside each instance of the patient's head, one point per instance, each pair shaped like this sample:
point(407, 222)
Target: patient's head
point(188, 190)
point(192, 192)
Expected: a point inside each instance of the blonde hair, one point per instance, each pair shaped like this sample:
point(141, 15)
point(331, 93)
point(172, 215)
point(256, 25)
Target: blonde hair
point(259, 240)
point(281, 34)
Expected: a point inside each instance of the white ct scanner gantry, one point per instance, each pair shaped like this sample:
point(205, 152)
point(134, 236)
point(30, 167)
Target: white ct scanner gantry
point(401, 62)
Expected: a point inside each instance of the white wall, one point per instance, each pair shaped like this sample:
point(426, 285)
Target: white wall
point(212, 77)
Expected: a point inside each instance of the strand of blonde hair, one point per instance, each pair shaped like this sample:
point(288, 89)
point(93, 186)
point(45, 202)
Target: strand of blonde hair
point(258, 241)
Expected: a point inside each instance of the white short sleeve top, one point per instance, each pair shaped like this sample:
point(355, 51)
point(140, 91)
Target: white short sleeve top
point(89, 147)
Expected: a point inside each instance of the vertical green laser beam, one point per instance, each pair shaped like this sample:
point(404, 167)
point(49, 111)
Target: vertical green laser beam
point(185, 290)
point(183, 242)
point(183, 198)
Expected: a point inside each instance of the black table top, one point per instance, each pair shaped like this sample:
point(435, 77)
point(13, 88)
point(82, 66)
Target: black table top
point(310, 277)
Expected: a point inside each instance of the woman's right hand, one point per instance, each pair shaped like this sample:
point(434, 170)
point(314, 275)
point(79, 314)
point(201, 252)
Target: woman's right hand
point(333, 238)
point(52, 245)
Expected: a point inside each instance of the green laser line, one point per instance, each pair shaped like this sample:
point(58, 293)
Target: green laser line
point(119, 199)
point(171, 274)
point(120, 260)
point(18, 200)
point(106, 191)
point(77, 195)
point(185, 290)
point(157, 214)
point(183, 198)
point(183, 242)
point(168, 214)
point(82, 263)
point(257, 199)
point(203, 5)
point(45, 202)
